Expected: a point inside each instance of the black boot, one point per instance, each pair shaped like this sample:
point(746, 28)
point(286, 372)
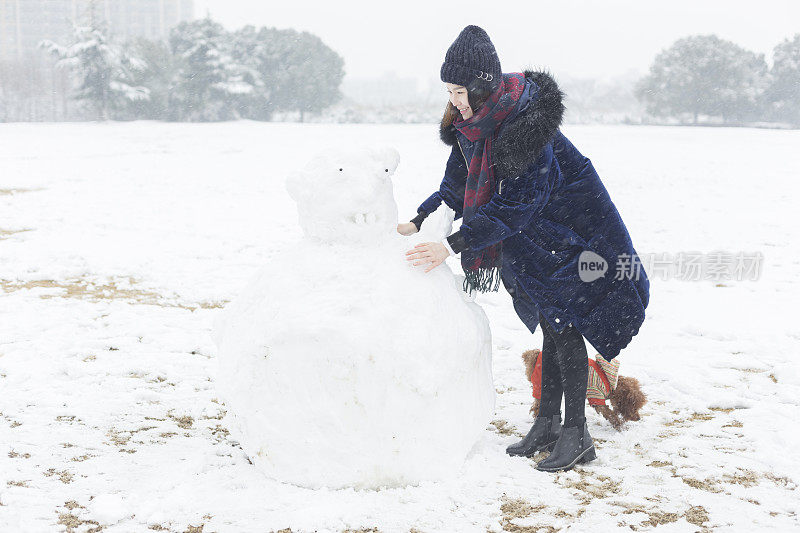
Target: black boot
point(574, 446)
point(542, 436)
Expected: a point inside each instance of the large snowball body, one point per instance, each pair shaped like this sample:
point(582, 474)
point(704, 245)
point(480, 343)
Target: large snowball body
point(342, 365)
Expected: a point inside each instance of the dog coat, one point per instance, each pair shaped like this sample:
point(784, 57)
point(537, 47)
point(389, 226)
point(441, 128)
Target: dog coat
point(602, 379)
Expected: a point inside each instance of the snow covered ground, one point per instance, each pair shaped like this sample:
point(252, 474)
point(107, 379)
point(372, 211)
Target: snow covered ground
point(120, 242)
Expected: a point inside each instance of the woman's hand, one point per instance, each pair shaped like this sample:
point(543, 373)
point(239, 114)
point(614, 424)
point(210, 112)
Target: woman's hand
point(407, 228)
point(428, 252)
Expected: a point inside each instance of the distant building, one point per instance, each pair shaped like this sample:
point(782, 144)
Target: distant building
point(25, 23)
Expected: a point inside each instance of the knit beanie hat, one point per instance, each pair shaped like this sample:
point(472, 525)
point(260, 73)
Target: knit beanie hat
point(472, 60)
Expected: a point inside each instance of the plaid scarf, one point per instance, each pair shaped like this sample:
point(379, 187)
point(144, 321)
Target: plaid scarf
point(482, 267)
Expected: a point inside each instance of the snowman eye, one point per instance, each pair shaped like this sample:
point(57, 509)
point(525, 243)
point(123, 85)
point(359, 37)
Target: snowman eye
point(340, 170)
point(387, 170)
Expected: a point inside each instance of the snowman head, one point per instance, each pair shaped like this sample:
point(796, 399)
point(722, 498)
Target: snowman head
point(346, 195)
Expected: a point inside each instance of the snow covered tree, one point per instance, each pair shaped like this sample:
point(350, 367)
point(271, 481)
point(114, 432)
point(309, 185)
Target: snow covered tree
point(103, 70)
point(707, 75)
point(262, 51)
point(783, 94)
point(208, 81)
point(298, 72)
point(158, 75)
point(312, 76)
point(204, 73)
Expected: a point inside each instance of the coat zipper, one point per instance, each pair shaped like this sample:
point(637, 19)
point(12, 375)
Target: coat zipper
point(462, 153)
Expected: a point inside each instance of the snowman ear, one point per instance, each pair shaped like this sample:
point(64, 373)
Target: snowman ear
point(388, 156)
point(296, 185)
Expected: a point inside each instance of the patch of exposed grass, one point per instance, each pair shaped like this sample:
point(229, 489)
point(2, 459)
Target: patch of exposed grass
point(687, 421)
point(118, 438)
point(6, 233)
point(518, 508)
point(751, 370)
point(504, 428)
point(705, 484)
point(512, 509)
point(734, 424)
point(220, 432)
point(696, 515)
point(745, 478)
point(184, 422)
point(113, 289)
point(63, 475)
point(708, 484)
point(731, 450)
point(591, 487)
point(781, 480)
point(219, 416)
point(10, 192)
point(71, 522)
point(539, 456)
point(657, 518)
point(13, 455)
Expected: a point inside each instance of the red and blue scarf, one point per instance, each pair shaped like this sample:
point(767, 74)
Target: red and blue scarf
point(482, 267)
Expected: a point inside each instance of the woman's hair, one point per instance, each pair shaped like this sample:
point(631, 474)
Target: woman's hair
point(476, 96)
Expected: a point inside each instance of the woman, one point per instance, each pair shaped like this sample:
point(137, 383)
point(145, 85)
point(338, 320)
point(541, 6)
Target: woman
point(536, 216)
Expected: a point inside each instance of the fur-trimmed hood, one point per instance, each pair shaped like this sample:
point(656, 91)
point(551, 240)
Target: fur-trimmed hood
point(520, 142)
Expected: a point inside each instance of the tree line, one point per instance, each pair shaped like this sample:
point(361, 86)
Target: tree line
point(704, 75)
point(203, 73)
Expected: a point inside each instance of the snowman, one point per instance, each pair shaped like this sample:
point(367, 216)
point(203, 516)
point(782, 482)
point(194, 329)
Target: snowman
point(340, 363)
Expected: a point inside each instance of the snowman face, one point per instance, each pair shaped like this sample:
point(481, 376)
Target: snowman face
point(347, 196)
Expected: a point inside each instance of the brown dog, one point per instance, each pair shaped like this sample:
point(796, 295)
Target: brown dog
point(624, 393)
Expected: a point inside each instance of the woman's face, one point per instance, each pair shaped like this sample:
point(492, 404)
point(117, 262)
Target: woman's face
point(458, 97)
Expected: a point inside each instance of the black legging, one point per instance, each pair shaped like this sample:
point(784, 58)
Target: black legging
point(564, 371)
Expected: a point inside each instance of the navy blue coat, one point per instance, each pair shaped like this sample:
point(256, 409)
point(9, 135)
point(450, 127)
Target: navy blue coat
point(549, 207)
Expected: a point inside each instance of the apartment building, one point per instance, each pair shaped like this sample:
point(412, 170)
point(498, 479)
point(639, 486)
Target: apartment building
point(25, 23)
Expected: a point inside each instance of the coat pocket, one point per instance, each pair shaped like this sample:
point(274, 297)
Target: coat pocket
point(577, 282)
point(600, 246)
point(516, 189)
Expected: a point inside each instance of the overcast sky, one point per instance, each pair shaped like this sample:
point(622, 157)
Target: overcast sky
point(576, 38)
